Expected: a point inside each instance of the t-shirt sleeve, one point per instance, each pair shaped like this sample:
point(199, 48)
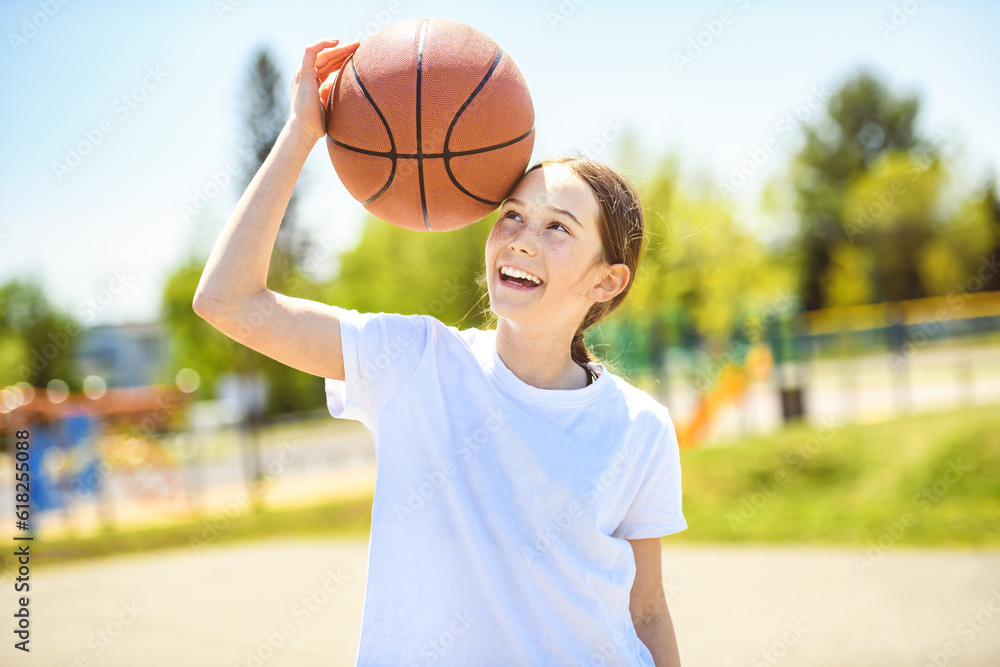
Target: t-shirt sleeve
point(381, 353)
point(656, 509)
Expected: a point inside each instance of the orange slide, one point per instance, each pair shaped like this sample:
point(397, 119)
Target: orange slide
point(728, 388)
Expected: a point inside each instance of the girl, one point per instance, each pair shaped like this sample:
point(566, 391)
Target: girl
point(522, 488)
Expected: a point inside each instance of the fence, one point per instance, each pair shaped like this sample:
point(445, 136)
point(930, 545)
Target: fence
point(859, 363)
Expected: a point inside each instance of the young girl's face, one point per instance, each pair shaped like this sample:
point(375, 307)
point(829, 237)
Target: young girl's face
point(547, 227)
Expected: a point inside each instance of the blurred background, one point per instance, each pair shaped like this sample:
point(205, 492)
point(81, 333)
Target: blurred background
point(818, 306)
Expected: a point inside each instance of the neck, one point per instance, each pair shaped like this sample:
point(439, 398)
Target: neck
point(540, 360)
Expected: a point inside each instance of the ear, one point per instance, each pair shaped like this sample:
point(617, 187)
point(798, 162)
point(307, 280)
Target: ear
point(614, 280)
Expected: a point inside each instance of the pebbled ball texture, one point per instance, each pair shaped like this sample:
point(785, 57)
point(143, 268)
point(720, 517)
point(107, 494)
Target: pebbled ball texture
point(430, 124)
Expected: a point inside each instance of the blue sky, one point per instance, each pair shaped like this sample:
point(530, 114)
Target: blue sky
point(152, 90)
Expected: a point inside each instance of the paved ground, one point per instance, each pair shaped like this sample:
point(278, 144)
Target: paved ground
point(803, 606)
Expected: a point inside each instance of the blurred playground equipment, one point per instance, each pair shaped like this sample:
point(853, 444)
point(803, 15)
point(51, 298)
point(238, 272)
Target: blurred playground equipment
point(153, 454)
point(731, 387)
point(78, 441)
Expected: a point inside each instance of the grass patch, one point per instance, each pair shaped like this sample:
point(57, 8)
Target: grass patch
point(851, 484)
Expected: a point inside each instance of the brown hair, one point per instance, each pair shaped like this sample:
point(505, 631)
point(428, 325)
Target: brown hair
point(621, 228)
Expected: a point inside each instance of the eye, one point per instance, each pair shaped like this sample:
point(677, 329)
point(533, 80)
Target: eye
point(511, 213)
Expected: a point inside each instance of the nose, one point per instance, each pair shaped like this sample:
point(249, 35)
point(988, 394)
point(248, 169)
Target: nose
point(523, 240)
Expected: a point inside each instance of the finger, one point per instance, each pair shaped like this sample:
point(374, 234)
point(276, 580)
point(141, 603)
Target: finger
point(339, 50)
point(331, 67)
point(339, 53)
point(309, 58)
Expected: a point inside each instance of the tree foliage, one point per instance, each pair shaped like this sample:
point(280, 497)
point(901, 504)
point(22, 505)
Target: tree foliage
point(38, 342)
point(875, 224)
point(701, 260)
point(400, 270)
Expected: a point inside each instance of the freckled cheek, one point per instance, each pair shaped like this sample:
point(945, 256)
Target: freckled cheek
point(498, 240)
point(560, 255)
point(499, 234)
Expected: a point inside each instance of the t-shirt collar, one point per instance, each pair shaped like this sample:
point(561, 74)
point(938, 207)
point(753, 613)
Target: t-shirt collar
point(498, 370)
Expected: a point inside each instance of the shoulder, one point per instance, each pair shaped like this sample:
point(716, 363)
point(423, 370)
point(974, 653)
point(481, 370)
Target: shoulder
point(382, 318)
point(642, 406)
point(470, 337)
point(427, 326)
point(378, 336)
point(449, 336)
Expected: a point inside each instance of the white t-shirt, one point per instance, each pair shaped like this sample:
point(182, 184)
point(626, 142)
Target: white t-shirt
point(500, 509)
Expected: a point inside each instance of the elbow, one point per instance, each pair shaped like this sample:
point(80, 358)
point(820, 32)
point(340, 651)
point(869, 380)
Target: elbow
point(206, 306)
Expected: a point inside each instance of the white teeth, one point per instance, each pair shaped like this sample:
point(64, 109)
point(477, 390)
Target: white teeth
point(517, 273)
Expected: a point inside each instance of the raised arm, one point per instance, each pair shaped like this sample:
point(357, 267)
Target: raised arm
point(232, 294)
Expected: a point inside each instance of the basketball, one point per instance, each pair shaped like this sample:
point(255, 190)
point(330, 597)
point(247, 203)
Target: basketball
point(429, 125)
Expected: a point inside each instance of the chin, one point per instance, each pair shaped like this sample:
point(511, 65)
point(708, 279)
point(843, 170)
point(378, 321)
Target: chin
point(503, 308)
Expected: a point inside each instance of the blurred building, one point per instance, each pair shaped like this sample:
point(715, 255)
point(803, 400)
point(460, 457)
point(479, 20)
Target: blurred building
point(126, 355)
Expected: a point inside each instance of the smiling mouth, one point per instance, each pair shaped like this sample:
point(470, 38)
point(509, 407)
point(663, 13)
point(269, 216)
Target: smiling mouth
point(517, 283)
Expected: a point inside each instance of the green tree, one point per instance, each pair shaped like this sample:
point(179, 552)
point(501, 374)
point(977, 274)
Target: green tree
point(701, 260)
point(392, 269)
point(38, 342)
point(966, 245)
point(892, 211)
point(990, 204)
point(863, 120)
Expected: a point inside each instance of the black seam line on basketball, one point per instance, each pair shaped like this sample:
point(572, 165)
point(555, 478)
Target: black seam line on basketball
point(420, 159)
point(494, 204)
point(392, 143)
point(428, 156)
point(454, 120)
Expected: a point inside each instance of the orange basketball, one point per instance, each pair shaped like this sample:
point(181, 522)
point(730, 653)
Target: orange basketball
point(430, 124)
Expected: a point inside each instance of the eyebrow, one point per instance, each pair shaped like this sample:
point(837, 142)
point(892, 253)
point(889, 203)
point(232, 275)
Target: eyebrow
point(551, 208)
